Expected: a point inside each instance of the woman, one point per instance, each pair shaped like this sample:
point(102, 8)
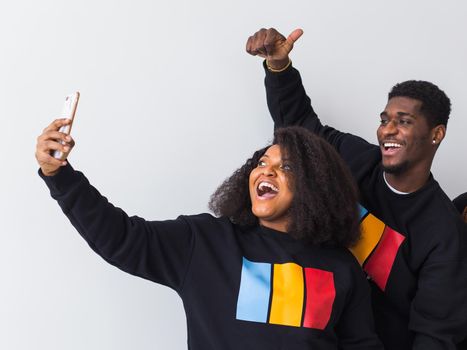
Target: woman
point(270, 272)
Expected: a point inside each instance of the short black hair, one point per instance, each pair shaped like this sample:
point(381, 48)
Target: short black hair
point(436, 106)
point(460, 202)
point(324, 205)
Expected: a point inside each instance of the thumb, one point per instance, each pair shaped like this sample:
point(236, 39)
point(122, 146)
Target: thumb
point(294, 36)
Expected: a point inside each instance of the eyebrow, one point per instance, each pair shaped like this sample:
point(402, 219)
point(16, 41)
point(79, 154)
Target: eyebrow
point(282, 159)
point(399, 114)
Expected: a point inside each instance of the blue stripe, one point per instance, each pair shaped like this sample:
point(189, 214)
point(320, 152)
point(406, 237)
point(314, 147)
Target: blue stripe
point(362, 211)
point(255, 288)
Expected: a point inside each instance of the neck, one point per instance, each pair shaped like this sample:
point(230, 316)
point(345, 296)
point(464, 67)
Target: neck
point(408, 182)
point(278, 226)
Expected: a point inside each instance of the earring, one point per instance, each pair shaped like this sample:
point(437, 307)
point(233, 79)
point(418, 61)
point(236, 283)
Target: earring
point(434, 141)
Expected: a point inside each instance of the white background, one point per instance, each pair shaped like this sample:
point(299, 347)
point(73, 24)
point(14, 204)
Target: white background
point(170, 105)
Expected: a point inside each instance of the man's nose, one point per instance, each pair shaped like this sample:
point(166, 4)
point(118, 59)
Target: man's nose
point(390, 127)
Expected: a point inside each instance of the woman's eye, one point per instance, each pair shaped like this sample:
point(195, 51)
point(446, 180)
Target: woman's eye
point(286, 167)
point(261, 163)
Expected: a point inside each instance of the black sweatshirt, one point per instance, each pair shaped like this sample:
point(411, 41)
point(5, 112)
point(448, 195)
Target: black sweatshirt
point(414, 247)
point(242, 288)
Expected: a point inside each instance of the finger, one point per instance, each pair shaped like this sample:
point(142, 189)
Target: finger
point(271, 40)
point(47, 147)
point(254, 46)
point(54, 135)
point(47, 160)
point(71, 142)
point(292, 38)
point(50, 145)
point(261, 52)
point(295, 35)
point(255, 43)
point(53, 151)
point(249, 45)
point(65, 152)
point(57, 124)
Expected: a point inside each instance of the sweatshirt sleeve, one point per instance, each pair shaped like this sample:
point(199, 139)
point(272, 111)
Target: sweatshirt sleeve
point(289, 105)
point(155, 250)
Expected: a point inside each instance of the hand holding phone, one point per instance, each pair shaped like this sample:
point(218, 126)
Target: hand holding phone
point(69, 110)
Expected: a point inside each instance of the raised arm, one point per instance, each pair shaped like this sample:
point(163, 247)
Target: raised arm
point(155, 250)
point(286, 97)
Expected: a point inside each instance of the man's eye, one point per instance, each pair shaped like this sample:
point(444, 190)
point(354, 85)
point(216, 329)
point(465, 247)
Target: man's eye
point(404, 121)
point(383, 122)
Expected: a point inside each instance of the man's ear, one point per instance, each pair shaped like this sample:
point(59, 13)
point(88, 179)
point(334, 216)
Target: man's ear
point(438, 133)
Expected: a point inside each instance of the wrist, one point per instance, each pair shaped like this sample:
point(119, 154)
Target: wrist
point(277, 66)
point(49, 173)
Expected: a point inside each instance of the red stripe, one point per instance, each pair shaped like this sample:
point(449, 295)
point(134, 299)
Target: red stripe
point(379, 265)
point(320, 294)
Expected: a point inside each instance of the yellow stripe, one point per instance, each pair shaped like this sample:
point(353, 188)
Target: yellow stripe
point(287, 295)
point(372, 230)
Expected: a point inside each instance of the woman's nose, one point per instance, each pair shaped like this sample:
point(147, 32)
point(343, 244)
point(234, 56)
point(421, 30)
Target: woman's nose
point(269, 171)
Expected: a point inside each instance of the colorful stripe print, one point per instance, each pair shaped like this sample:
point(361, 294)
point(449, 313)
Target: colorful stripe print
point(377, 249)
point(285, 294)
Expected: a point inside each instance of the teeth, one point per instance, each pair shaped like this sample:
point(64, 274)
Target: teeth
point(267, 184)
point(391, 144)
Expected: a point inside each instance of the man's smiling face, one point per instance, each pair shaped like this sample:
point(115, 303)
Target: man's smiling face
point(405, 137)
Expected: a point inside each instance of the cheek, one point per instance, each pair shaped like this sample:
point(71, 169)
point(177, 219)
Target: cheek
point(288, 182)
point(378, 132)
point(289, 190)
point(421, 143)
point(251, 180)
point(289, 199)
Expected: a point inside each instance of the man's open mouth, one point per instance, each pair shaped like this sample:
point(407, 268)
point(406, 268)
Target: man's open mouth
point(389, 146)
point(266, 190)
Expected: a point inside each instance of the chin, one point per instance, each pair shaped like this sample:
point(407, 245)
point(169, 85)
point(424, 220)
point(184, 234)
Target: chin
point(395, 169)
point(260, 213)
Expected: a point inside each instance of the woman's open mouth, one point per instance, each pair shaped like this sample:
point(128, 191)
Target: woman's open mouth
point(266, 190)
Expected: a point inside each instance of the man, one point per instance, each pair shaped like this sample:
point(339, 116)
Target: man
point(413, 247)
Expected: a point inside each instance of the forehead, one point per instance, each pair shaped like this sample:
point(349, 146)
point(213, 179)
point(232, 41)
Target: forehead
point(403, 104)
point(274, 152)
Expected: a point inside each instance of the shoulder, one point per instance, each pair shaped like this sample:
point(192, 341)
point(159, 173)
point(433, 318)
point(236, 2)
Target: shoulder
point(441, 228)
point(207, 223)
point(439, 212)
point(205, 219)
